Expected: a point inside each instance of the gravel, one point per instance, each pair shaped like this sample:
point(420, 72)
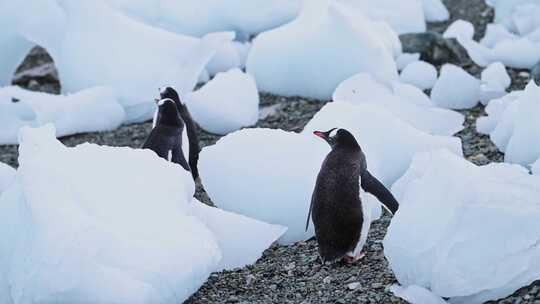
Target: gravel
point(294, 274)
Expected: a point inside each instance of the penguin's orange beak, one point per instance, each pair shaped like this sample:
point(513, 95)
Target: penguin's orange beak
point(320, 134)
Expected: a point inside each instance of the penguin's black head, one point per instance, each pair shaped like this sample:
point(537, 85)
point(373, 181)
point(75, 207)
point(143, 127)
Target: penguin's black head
point(338, 138)
point(168, 113)
point(169, 92)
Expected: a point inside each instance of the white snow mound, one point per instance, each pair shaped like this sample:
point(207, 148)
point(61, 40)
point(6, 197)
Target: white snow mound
point(456, 204)
point(90, 110)
point(227, 103)
point(93, 224)
point(296, 60)
point(406, 102)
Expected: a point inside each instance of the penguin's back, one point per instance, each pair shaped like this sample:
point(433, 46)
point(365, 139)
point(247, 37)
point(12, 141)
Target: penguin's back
point(336, 206)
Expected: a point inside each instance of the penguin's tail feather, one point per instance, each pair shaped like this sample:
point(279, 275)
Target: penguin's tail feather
point(309, 214)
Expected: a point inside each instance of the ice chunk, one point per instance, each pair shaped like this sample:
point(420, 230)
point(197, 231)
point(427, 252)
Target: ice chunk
point(409, 18)
point(94, 224)
point(435, 11)
point(295, 59)
point(519, 53)
point(200, 17)
point(405, 59)
point(495, 81)
point(517, 127)
point(446, 95)
point(495, 75)
point(416, 295)
point(420, 74)
point(496, 33)
point(535, 168)
point(235, 173)
point(13, 45)
point(404, 101)
point(91, 110)
point(495, 110)
point(133, 58)
point(230, 54)
point(456, 204)
point(7, 175)
point(227, 103)
point(460, 29)
point(388, 142)
point(241, 239)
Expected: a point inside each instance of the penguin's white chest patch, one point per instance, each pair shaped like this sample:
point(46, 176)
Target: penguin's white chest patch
point(169, 156)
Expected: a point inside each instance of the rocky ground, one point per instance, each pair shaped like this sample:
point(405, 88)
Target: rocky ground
point(293, 274)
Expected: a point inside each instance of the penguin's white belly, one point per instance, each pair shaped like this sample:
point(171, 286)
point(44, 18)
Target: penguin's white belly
point(366, 224)
point(185, 144)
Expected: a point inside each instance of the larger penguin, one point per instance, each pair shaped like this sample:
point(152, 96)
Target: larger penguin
point(190, 138)
point(341, 220)
point(166, 137)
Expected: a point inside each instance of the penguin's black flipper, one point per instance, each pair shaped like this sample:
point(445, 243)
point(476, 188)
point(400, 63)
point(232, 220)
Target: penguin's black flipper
point(374, 186)
point(309, 212)
point(193, 137)
point(178, 158)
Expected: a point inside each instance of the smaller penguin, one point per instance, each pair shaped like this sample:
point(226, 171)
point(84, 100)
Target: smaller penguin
point(190, 137)
point(166, 137)
point(341, 220)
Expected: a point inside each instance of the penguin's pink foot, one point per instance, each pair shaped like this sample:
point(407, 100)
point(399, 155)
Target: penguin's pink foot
point(353, 259)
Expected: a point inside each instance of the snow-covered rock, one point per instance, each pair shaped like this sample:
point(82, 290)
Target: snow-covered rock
point(460, 29)
point(265, 174)
point(7, 175)
point(405, 59)
point(416, 295)
point(406, 102)
point(421, 74)
point(227, 103)
point(456, 204)
point(495, 81)
point(455, 88)
point(133, 58)
point(435, 11)
point(296, 59)
point(515, 127)
point(112, 234)
point(200, 17)
point(388, 142)
point(90, 110)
